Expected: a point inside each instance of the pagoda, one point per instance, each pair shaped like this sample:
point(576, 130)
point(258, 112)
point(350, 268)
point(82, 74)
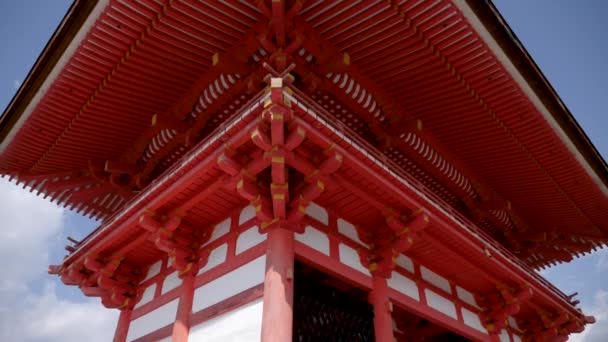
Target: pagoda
point(290, 170)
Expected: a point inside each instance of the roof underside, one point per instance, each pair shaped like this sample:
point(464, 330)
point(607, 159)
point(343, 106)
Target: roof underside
point(485, 140)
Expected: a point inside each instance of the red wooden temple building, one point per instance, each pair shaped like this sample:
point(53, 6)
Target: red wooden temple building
point(309, 170)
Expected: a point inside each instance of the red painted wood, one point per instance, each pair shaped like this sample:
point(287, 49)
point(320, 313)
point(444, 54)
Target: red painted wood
point(181, 327)
point(157, 335)
point(122, 329)
point(277, 318)
point(383, 321)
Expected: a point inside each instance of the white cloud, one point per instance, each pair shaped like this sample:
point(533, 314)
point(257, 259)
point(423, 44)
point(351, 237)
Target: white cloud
point(598, 331)
point(29, 227)
point(46, 317)
point(16, 84)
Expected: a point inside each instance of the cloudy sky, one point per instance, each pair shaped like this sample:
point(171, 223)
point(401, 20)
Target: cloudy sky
point(566, 39)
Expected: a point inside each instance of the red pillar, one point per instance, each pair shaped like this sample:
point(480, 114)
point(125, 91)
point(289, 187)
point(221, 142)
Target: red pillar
point(181, 327)
point(122, 328)
point(383, 320)
point(277, 318)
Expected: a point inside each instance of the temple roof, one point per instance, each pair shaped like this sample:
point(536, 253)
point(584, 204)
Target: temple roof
point(444, 89)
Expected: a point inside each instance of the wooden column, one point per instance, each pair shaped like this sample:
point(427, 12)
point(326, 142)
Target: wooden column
point(181, 327)
point(122, 328)
point(277, 318)
point(383, 320)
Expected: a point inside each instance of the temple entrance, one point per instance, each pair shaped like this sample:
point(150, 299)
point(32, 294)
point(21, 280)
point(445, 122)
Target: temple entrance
point(410, 327)
point(327, 309)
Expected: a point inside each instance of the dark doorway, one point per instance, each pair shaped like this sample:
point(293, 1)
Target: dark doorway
point(410, 327)
point(327, 309)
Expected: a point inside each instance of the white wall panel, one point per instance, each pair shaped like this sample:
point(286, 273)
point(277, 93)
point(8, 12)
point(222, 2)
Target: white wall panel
point(404, 285)
point(249, 238)
point(315, 239)
point(440, 303)
point(435, 279)
point(513, 323)
point(171, 281)
point(146, 296)
point(230, 284)
point(246, 214)
point(466, 296)
point(472, 319)
point(242, 324)
point(348, 229)
point(504, 336)
point(220, 229)
point(216, 257)
point(153, 320)
point(405, 262)
point(153, 270)
point(318, 213)
point(350, 257)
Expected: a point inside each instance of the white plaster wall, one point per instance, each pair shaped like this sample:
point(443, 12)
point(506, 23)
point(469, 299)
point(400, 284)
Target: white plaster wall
point(504, 336)
point(171, 281)
point(350, 257)
point(146, 296)
point(249, 238)
point(246, 214)
point(405, 262)
point(349, 230)
point(472, 319)
point(404, 285)
point(435, 279)
point(513, 323)
point(220, 229)
point(318, 213)
point(440, 303)
point(216, 257)
point(242, 324)
point(153, 270)
point(466, 296)
point(153, 320)
point(315, 239)
point(230, 284)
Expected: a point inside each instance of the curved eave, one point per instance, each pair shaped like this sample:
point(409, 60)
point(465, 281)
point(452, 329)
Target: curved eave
point(485, 11)
point(498, 28)
point(47, 61)
point(553, 117)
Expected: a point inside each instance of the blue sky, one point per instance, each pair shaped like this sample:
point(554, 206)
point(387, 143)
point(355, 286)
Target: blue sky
point(566, 38)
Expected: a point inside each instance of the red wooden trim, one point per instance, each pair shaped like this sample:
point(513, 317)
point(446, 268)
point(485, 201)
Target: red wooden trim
point(457, 302)
point(227, 305)
point(157, 334)
point(420, 283)
point(181, 327)
point(122, 328)
point(383, 321)
point(160, 277)
point(277, 316)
